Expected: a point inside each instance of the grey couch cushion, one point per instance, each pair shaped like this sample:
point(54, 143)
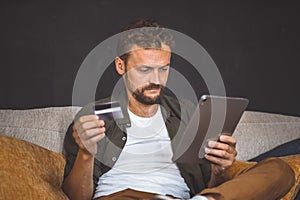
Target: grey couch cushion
point(258, 132)
point(45, 126)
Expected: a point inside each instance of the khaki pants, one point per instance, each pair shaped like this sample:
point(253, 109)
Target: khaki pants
point(270, 179)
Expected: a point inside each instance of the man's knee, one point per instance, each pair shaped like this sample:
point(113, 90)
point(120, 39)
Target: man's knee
point(281, 171)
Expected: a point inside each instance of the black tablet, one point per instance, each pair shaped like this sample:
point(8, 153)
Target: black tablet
point(214, 115)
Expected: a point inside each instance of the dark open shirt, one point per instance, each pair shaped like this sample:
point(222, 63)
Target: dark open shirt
point(176, 115)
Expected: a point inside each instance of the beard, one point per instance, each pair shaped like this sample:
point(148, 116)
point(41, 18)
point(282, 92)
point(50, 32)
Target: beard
point(139, 94)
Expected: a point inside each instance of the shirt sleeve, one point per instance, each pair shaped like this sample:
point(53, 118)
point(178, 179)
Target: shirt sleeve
point(71, 149)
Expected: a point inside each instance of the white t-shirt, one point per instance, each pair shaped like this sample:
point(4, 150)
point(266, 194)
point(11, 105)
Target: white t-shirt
point(145, 163)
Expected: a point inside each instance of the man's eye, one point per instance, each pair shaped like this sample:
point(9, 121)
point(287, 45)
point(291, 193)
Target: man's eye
point(164, 68)
point(144, 69)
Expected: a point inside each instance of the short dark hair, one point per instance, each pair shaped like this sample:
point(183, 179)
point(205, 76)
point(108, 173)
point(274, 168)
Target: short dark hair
point(144, 33)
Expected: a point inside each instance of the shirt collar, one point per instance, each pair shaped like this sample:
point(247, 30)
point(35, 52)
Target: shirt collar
point(123, 99)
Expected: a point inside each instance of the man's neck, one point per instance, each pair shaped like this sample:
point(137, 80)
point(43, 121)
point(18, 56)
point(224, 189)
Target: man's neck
point(140, 109)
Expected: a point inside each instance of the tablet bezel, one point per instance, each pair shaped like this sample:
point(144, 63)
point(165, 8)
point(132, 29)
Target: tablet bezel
point(214, 115)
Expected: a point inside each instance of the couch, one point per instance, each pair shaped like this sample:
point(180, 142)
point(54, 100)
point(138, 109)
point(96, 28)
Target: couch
point(32, 163)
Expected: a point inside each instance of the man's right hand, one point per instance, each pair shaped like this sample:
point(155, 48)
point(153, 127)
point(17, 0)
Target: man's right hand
point(88, 131)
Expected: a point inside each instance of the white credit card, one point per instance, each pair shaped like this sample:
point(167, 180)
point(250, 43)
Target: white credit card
point(108, 110)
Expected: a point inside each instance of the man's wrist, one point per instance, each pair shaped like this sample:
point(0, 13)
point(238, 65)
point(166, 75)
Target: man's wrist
point(85, 155)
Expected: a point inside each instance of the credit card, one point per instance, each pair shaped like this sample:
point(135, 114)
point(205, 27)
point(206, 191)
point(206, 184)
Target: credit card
point(108, 110)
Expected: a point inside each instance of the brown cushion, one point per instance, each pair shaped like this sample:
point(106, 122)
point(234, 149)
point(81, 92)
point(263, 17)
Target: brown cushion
point(29, 171)
point(293, 161)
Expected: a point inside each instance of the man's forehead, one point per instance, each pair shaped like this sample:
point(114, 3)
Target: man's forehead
point(149, 54)
point(152, 57)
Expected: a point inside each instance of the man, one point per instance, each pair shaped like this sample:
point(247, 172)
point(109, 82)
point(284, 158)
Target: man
point(130, 158)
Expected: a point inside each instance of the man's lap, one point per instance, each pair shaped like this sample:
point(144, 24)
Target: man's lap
point(274, 169)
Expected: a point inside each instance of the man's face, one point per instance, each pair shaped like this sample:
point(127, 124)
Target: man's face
point(147, 73)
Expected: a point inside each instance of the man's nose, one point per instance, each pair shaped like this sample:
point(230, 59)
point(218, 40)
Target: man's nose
point(154, 78)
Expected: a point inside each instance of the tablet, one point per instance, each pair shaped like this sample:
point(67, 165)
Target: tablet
point(214, 115)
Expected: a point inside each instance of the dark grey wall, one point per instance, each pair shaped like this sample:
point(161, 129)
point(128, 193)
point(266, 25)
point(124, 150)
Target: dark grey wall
point(255, 44)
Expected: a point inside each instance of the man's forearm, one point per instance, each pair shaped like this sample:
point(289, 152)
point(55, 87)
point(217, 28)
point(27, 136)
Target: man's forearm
point(79, 183)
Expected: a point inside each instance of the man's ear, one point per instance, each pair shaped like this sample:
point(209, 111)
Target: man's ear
point(120, 65)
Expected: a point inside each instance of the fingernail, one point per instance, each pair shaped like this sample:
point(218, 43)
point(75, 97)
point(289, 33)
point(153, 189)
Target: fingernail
point(207, 150)
point(211, 144)
point(222, 137)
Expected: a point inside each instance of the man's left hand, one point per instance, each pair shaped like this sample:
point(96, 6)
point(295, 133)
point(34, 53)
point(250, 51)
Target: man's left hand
point(221, 154)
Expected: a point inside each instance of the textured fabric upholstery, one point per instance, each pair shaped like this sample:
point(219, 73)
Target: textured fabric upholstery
point(258, 132)
point(45, 126)
point(29, 171)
